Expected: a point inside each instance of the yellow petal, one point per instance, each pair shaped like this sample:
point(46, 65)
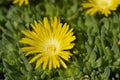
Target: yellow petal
point(54, 62)
point(50, 63)
point(46, 24)
point(35, 58)
point(47, 27)
point(26, 2)
point(57, 61)
point(67, 46)
point(28, 34)
point(39, 62)
point(28, 41)
point(62, 62)
point(55, 22)
point(65, 55)
point(45, 62)
point(87, 5)
point(63, 31)
point(92, 11)
point(21, 2)
point(25, 49)
point(57, 31)
point(69, 33)
point(15, 1)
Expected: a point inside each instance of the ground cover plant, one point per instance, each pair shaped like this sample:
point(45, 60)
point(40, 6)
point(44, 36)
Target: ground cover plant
point(60, 39)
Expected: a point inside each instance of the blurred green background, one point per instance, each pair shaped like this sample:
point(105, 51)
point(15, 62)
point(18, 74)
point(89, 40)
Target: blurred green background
point(96, 55)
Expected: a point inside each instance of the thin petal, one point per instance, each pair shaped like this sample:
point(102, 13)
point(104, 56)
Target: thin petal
point(28, 41)
point(15, 1)
point(45, 62)
point(28, 34)
point(35, 58)
point(92, 11)
point(32, 52)
point(21, 2)
point(67, 46)
point(26, 2)
point(26, 49)
point(63, 64)
point(50, 63)
point(39, 62)
point(87, 5)
point(65, 55)
point(54, 61)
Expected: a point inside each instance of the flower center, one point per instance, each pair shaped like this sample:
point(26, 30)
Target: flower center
point(51, 49)
point(104, 3)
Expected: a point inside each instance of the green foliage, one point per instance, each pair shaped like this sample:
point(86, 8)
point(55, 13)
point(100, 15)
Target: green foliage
point(96, 53)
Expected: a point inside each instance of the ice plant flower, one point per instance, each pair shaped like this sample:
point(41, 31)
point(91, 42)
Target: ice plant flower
point(49, 43)
point(20, 2)
point(102, 6)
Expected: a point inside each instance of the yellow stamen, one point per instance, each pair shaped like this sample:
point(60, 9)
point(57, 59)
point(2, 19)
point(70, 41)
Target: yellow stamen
point(51, 48)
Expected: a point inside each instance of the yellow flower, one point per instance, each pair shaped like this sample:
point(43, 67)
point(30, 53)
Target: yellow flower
point(102, 6)
point(48, 42)
point(21, 2)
